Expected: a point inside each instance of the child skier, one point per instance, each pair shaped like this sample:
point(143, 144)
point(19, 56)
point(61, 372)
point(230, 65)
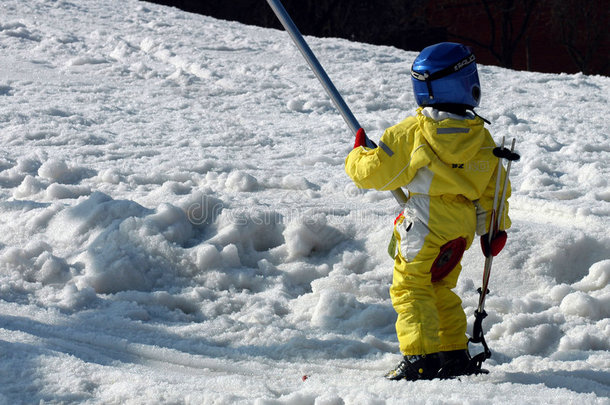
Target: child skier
point(444, 157)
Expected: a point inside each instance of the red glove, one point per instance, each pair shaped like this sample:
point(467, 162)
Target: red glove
point(496, 245)
point(360, 138)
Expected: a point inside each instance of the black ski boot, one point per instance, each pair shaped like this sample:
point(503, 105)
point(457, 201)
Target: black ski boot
point(455, 363)
point(412, 368)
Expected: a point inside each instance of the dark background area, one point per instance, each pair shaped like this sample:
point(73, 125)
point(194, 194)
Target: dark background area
point(553, 36)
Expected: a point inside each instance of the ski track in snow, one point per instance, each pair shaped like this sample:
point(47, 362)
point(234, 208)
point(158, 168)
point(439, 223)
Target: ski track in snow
point(176, 225)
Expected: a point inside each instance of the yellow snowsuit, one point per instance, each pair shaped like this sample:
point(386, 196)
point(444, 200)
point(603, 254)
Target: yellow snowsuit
point(448, 168)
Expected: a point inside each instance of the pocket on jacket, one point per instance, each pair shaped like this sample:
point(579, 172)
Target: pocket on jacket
point(412, 232)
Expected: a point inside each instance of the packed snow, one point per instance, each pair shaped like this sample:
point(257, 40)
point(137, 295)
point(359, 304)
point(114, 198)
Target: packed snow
point(176, 225)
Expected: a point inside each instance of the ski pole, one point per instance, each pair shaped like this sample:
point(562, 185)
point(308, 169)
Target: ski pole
point(492, 231)
point(331, 90)
point(494, 225)
point(497, 214)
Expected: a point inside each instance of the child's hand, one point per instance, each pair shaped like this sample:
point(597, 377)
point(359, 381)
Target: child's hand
point(360, 138)
point(496, 245)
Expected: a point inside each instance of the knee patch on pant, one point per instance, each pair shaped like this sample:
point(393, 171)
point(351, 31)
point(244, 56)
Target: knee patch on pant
point(450, 255)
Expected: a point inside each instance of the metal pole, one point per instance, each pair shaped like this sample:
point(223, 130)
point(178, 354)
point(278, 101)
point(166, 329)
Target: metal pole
point(311, 59)
point(328, 85)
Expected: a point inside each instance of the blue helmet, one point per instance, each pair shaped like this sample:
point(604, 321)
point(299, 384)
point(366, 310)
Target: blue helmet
point(446, 73)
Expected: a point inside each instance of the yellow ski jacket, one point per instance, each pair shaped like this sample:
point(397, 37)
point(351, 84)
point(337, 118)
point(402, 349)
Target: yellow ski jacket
point(448, 161)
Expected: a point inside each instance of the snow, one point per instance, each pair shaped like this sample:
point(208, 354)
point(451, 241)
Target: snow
point(176, 225)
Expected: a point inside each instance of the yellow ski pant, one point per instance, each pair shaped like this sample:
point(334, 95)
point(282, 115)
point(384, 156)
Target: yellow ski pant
point(430, 315)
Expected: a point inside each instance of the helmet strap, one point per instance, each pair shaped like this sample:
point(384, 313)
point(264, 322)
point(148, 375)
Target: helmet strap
point(426, 76)
point(477, 115)
point(457, 109)
point(429, 85)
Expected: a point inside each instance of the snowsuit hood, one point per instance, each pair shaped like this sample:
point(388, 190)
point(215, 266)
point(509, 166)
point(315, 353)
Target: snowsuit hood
point(453, 140)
